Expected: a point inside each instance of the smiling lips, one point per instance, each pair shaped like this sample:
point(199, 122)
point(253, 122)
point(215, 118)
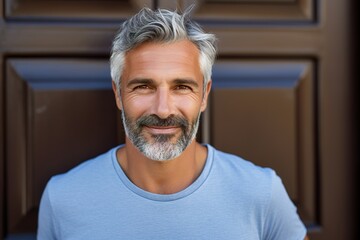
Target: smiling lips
point(162, 130)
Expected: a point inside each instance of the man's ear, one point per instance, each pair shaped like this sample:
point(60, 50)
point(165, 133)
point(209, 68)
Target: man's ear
point(206, 95)
point(117, 96)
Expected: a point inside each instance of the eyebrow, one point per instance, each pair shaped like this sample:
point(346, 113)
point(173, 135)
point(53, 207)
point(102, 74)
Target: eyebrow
point(191, 82)
point(137, 81)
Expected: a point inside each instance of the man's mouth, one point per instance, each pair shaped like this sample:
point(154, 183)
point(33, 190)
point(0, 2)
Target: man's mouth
point(162, 129)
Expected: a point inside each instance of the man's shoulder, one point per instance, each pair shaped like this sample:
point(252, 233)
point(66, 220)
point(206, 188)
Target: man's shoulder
point(245, 181)
point(84, 174)
point(239, 164)
point(242, 170)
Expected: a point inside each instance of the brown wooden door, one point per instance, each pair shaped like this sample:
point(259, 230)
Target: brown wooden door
point(281, 98)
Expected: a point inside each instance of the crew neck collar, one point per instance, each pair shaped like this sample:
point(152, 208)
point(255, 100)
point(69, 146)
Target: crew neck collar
point(164, 197)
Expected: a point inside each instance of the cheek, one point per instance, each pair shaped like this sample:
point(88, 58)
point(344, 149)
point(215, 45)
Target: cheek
point(189, 106)
point(136, 105)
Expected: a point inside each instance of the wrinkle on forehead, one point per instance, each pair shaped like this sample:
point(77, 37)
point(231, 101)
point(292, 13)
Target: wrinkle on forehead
point(180, 58)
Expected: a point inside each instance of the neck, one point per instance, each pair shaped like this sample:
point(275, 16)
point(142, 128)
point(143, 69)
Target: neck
point(162, 177)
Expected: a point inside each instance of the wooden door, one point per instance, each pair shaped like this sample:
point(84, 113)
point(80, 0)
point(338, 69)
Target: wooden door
point(281, 98)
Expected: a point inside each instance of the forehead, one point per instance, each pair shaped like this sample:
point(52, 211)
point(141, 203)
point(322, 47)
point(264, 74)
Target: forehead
point(167, 59)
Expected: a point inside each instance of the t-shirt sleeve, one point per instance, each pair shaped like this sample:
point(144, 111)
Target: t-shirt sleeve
point(282, 221)
point(46, 226)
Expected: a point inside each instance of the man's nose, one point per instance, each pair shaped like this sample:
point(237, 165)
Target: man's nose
point(163, 104)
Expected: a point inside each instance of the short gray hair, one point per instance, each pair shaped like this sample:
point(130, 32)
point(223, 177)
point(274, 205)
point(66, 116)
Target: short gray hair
point(161, 26)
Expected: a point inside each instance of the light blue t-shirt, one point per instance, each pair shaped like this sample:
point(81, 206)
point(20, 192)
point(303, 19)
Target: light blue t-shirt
point(231, 199)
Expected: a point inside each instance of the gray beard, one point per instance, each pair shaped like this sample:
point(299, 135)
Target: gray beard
point(160, 147)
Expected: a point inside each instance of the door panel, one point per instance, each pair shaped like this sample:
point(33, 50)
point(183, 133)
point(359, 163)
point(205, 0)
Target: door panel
point(72, 10)
point(60, 113)
point(258, 11)
point(263, 110)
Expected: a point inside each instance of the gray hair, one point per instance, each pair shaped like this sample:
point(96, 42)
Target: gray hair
point(161, 26)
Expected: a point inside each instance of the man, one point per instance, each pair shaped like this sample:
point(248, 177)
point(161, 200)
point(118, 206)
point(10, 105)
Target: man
point(162, 184)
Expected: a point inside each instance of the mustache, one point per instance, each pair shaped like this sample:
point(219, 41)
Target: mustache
point(154, 120)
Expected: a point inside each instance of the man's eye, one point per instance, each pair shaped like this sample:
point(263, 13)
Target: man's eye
point(141, 87)
point(183, 87)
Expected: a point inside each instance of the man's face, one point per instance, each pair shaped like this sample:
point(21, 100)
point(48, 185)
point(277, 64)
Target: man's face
point(162, 97)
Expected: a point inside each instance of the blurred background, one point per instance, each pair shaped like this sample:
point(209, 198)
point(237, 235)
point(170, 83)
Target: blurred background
point(282, 97)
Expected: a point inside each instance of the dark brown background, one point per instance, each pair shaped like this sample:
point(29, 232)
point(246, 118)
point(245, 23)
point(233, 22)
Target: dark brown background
point(282, 97)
